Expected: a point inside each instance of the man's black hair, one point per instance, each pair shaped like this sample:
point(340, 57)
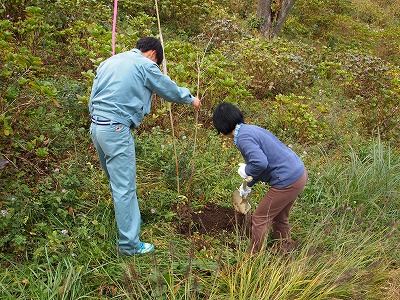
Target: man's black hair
point(226, 116)
point(150, 43)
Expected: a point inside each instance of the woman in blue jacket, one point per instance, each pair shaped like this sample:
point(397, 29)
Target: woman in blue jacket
point(267, 160)
point(121, 96)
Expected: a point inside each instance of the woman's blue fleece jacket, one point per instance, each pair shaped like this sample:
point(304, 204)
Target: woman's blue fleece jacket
point(267, 158)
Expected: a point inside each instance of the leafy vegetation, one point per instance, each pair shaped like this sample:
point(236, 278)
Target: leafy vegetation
point(329, 86)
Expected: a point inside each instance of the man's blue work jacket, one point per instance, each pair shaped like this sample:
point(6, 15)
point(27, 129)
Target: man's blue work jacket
point(123, 87)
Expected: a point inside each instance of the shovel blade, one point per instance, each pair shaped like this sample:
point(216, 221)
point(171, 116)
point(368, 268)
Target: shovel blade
point(240, 204)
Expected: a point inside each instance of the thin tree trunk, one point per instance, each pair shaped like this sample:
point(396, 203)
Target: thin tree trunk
point(282, 16)
point(273, 19)
point(264, 13)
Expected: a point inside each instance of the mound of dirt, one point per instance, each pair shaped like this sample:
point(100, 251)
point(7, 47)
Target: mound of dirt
point(212, 220)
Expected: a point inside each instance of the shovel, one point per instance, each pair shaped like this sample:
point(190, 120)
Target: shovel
point(241, 204)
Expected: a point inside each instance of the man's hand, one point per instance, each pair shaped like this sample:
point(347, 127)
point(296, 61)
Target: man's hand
point(196, 103)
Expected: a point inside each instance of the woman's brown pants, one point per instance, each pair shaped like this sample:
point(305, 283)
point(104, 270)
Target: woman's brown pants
point(274, 210)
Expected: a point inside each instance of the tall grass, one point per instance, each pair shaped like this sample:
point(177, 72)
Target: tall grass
point(347, 253)
point(64, 280)
point(345, 226)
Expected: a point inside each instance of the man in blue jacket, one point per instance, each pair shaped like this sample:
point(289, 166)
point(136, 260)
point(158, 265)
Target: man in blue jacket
point(267, 160)
point(121, 96)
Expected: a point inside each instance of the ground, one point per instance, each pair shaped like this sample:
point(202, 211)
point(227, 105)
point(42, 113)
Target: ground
point(212, 220)
point(218, 222)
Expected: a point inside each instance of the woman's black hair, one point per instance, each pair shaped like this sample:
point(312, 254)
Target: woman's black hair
point(226, 116)
point(150, 43)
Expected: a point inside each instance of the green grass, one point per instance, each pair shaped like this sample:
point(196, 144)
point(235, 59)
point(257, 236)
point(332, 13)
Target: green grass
point(345, 227)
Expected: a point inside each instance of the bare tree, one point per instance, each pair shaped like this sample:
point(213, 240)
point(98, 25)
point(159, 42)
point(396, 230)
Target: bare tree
point(273, 14)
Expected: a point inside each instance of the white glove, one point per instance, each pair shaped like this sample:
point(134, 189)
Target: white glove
point(242, 170)
point(244, 192)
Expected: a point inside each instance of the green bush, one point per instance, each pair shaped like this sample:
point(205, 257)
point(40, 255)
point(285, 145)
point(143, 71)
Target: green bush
point(24, 90)
point(276, 67)
point(180, 14)
point(293, 117)
point(373, 85)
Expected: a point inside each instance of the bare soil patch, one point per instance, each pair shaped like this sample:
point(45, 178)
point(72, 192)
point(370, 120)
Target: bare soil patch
point(212, 220)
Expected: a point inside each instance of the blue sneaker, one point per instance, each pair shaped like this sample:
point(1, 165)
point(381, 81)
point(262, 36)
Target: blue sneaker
point(144, 248)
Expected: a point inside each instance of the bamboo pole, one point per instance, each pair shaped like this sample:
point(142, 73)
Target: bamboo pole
point(169, 104)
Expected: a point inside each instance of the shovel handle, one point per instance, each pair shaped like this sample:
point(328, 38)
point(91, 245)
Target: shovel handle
point(246, 180)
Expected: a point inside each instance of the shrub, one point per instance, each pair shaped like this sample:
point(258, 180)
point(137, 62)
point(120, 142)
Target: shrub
point(180, 14)
point(373, 84)
point(276, 67)
point(294, 116)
